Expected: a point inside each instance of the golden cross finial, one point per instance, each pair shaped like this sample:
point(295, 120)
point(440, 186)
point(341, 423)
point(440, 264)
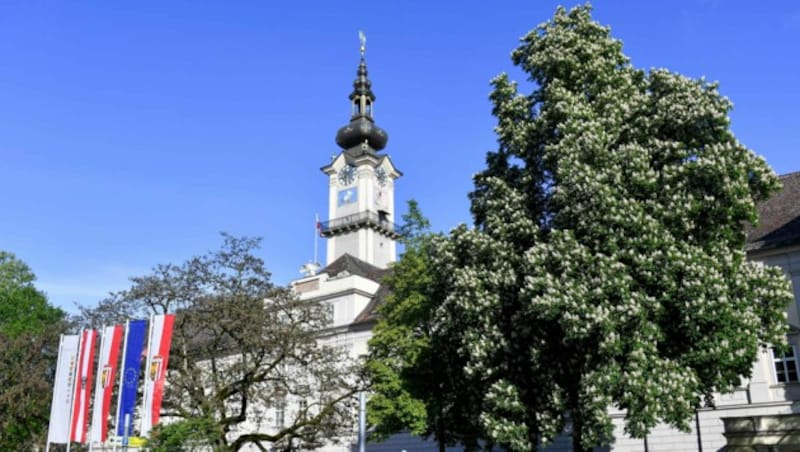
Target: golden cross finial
point(363, 38)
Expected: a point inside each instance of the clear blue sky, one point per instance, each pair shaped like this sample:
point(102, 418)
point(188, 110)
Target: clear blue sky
point(132, 133)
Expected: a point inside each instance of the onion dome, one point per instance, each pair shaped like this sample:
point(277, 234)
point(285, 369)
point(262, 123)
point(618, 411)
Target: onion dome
point(362, 128)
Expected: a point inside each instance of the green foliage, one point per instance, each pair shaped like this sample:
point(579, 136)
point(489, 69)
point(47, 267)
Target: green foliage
point(23, 308)
point(607, 266)
point(29, 334)
point(416, 227)
point(14, 273)
point(415, 370)
point(396, 347)
point(185, 435)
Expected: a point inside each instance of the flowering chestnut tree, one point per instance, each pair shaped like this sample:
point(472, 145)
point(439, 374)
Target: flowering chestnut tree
point(607, 265)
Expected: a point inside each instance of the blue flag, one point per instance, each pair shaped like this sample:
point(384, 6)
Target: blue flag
point(131, 364)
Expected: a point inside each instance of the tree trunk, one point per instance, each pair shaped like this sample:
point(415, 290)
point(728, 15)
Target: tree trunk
point(577, 433)
point(440, 433)
point(533, 437)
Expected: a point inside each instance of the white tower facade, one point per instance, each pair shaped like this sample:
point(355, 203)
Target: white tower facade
point(361, 215)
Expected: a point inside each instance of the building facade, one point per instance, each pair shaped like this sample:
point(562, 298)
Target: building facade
point(361, 238)
point(360, 230)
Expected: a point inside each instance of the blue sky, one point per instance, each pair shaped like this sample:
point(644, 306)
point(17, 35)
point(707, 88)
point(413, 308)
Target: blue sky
point(132, 134)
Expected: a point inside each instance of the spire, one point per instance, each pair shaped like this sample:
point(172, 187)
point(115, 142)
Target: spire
point(362, 135)
point(362, 96)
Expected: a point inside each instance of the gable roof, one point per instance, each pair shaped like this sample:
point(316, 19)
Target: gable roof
point(370, 311)
point(354, 266)
point(779, 217)
point(351, 158)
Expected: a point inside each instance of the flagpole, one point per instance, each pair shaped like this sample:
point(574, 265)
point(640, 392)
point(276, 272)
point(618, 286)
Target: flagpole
point(74, 383)
point(316, 237)
point(52, 405)
point(99, 375)
point(121, 376)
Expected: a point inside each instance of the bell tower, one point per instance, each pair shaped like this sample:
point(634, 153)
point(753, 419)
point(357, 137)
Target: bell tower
point(361, 184)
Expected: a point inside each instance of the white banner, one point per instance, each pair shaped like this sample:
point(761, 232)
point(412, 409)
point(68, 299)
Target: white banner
point(83, 386)
point(61, 407)
point(156, 370)
point(104, 386)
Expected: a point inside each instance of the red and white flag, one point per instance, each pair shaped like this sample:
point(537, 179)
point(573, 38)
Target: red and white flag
point(106, 369)
point(83, 388)
point(58, 432)
point(156, 371)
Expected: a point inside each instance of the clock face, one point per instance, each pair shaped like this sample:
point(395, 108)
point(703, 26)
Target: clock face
point(347, 175)
point(380, 175)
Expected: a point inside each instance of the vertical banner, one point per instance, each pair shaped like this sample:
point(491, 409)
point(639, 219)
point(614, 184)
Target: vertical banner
point(129, 376)
point(156, 370)
point(104, 386)
point(61, 407)
point(83, 387)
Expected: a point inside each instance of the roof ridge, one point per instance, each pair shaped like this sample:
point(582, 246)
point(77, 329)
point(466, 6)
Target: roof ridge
point(353, 265)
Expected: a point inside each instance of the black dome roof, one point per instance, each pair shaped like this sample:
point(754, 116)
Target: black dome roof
point(360, 130)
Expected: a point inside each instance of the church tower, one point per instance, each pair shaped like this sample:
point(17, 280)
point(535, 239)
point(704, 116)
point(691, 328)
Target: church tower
point(361, 185)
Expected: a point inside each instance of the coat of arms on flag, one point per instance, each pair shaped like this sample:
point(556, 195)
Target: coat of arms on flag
point(155, 367)
point(105, 376)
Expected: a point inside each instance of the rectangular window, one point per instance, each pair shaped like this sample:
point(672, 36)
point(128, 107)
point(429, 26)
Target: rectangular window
point(785, 365)
point(302, 408)
point(279, 414)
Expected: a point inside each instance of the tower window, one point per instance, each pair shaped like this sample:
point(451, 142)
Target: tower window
point(369, 108)
point(356, 107)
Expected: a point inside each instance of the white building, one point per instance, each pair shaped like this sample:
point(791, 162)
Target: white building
point(360, 229)
point(361, 238)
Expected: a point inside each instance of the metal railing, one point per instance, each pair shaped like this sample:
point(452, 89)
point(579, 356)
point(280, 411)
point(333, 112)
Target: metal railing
point(356, 220)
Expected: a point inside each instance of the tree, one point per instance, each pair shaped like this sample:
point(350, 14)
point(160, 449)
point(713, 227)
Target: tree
point(240, 346)
point(415, 369)
point(607, 265)
point(29, 335)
